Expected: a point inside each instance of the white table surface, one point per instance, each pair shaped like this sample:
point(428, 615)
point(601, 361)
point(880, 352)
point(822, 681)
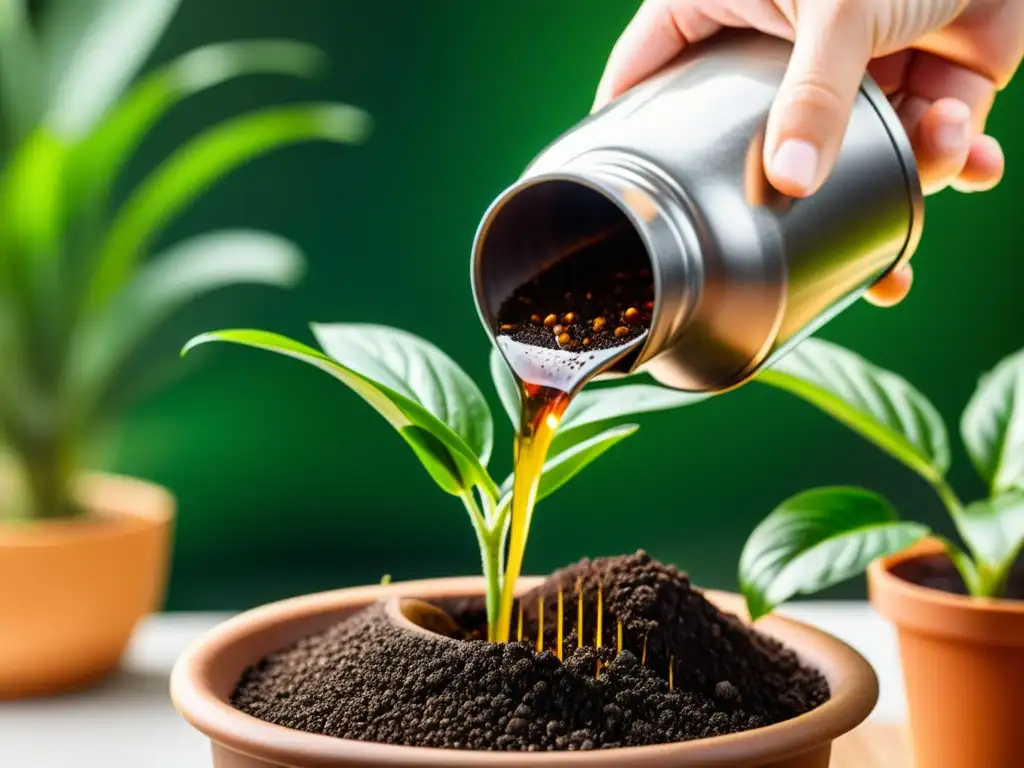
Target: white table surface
point(128, 721)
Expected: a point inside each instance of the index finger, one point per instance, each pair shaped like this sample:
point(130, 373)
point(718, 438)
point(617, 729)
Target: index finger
point(649, 42)
point(661, 29)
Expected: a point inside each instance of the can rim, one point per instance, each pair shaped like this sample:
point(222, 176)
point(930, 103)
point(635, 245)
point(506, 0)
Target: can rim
point(908, 164)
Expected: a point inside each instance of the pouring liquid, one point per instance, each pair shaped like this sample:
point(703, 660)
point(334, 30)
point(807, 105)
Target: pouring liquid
point(548, 380)
point(581, 316)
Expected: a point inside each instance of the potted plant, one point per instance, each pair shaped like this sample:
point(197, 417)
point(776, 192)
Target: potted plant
point(959, 612)
point(88, 552)
point(620, 655)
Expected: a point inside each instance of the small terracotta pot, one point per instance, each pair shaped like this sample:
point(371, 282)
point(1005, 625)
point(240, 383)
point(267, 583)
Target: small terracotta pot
point(963, 666)
point(73, 590)
point(205, 676)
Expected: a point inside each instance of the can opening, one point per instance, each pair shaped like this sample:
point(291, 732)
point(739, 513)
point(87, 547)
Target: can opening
point(540, 224)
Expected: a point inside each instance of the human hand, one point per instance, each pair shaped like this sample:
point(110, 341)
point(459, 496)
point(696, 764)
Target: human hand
point(941, 62)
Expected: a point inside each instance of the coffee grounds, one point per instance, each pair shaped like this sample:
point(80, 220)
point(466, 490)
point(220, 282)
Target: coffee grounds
point(599, 297)
point(938, 572)
point(365, 678)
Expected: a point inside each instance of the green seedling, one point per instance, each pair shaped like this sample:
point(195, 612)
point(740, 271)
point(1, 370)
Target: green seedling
point(826, 535)
point(442, 415)
point(76, 299)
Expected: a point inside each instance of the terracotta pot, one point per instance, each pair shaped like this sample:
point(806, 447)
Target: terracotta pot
point(205, 676)
point(75, 589)
point(963, 666)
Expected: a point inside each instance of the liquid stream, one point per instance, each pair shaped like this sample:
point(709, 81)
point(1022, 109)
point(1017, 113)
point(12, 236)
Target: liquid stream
point(548, 379)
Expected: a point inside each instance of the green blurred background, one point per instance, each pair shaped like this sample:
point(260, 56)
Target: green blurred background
point(288, 483)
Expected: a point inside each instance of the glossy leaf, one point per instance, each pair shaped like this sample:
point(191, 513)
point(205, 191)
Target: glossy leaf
point(601, 407)
point(877, 404)
point(94, 50)
point(162, 286)
point(816, 539)
point(506, 386)
point(446, 456)
point(417, 369)
point(994, 532)
point(564, 466)
point(195, 167)
point(100, 156)
point(993, 425)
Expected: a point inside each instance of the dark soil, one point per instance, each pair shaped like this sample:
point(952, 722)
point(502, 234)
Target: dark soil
point(365, 678)
point(937, 572)
point(600, 297)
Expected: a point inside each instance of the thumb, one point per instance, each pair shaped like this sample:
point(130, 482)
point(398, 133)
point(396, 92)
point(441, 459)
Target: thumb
point(808, 119)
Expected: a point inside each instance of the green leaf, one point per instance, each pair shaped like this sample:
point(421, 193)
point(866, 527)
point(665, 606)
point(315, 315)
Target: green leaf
point(506, 385)
point(30, 198)
point(445, 455)
point(168, 282)
point(992, 425)
point(603, 406)
point(418, 370)
point(564, 466)
point(21, 73)
point(100, 156)
point(994, 532)
point(877, 404)
point(816, 539)
point(94, 50)
point(195, 167)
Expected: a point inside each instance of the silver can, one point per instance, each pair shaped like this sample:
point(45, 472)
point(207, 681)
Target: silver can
point(741, 272)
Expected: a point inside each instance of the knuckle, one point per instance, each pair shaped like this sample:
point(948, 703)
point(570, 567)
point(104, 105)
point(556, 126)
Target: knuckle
point(844, 9)
point(816, 93)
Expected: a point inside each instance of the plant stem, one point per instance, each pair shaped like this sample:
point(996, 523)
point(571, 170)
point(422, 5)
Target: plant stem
point(490, 559)
point(48, 474)
point(490, 551)
point(948, 496)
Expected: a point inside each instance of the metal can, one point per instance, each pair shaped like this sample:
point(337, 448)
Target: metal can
point(741, 272)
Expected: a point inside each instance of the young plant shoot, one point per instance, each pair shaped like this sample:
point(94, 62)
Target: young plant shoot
point(826, 535)
point(442, 415)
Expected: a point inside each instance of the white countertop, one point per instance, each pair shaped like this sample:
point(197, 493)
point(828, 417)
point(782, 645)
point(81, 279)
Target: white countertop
point(128, 721)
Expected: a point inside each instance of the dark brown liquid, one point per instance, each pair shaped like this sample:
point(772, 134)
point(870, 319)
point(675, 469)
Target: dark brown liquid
point(581, 317)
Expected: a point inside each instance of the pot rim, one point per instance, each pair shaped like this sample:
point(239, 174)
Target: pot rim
point(852, 682)
point(991, 621)
point(119, 505)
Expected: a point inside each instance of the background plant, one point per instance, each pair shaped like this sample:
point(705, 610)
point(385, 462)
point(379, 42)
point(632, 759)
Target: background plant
point(444, 418)
point(826, 535)
point(76, 299)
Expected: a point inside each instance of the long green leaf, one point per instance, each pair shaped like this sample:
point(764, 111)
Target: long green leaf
point(32, 215)
point(451, 463)
point(196, 266)
point(99, 157)
point(816, 539)
point(506, 386)
point(201, 163)
point(30, 196)
point(992, 425)
point(563, 467)
point(994, 531)
point(877, 404)
point(21, 75)
point(94, 49)
point(417, 369)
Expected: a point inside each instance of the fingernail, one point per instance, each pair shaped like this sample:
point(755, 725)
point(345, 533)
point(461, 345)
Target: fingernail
point(796, 162)
point(954, 133)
